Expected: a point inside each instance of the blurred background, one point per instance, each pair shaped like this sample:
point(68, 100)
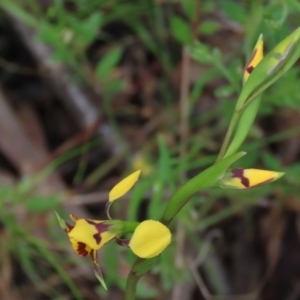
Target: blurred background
point(93, 90)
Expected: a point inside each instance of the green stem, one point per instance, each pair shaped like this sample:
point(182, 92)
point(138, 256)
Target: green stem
point(139, 268)
point(131, 285)
point(229, 133)
point(129, 227)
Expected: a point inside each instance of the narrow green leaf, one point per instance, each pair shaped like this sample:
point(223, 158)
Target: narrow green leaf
point(204, 180)
point(89, 28)
point(108, 62)
point(61, 221)
point(99, 276)
point(234, 10)
point(189, 7)
point(13, 8)
point(181, 30)
point(209, 27)
point(243, 127)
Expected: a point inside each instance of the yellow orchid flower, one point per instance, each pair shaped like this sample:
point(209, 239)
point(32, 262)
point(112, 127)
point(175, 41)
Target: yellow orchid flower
point(87, 236)
point(91, 233)
point(256, 57)
point(248, 178)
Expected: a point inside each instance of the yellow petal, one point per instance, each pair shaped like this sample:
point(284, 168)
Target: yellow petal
point(248, 178)
point(256, 57)
point(149, 239)
point(123, 186)
point(92, 233)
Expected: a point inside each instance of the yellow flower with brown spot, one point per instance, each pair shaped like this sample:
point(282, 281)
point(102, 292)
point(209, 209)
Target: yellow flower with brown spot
point(256, 57)
point(93, 234)
point(248, 178)
point(87, 236)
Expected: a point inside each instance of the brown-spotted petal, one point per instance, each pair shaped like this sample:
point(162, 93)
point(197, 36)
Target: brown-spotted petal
point(248, 178)
point(80, 248)
point(92, 233)
point(256, 57)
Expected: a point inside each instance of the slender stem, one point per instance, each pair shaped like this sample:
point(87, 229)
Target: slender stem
point(229, 133)
point(129, 227)
point(131, 285)
point(140, 267)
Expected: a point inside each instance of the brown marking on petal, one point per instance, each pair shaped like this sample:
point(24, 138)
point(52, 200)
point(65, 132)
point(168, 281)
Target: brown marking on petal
point(69, 227)
point(239, 173)
point(81, 249)
point(249, 69)
point(252, 57)
point(101, 227)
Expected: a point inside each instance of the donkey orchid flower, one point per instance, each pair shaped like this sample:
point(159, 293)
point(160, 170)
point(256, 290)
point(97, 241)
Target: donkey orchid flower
point(87, 236)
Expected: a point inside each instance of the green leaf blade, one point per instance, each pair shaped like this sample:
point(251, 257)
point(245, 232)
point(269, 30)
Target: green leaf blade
point(181, 30)
point(205, 179)
point(245, 122)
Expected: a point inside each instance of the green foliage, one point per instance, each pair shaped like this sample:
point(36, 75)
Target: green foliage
point(209, 27)
point(108, 62)
point(235, 10)
point(181, 30)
